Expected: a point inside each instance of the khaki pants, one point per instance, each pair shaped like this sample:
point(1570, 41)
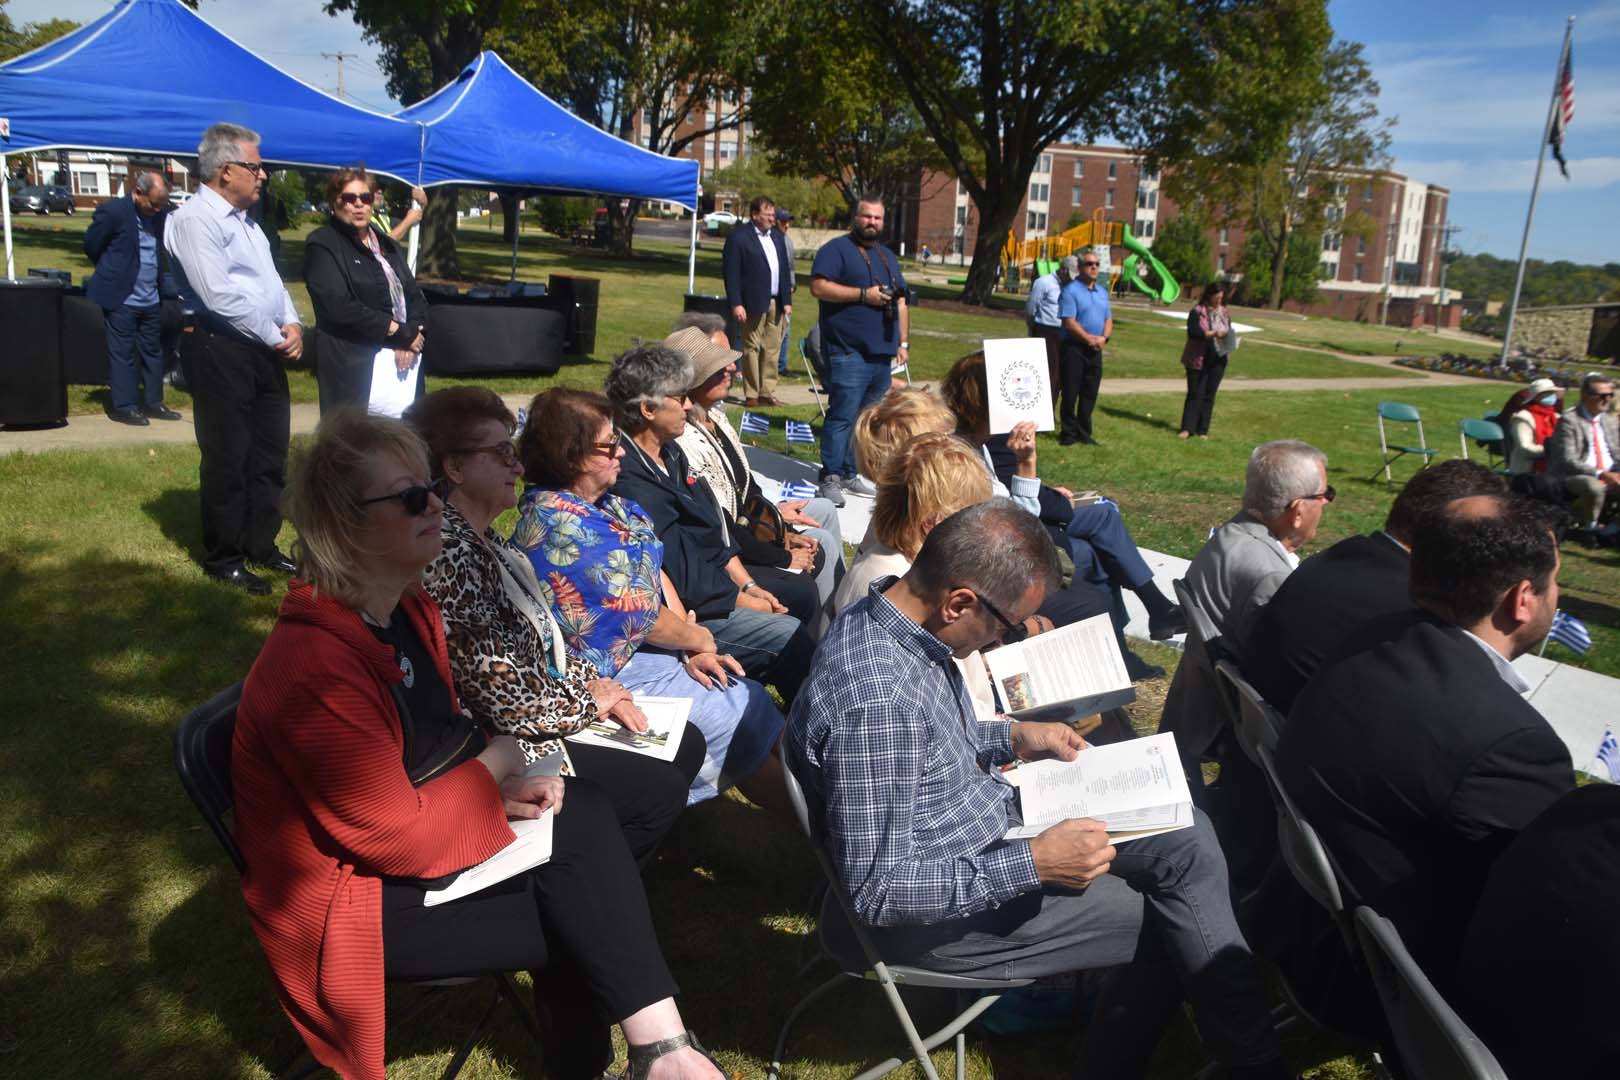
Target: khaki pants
point(761, 345)
point(1588, 493)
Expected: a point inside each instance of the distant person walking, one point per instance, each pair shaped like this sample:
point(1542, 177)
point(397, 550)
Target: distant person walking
point(759, 292)
point(1209, 343)
point(1088, 322)
point(125, 241)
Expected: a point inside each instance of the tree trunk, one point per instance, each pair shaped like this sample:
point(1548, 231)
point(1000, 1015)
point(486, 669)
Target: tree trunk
point(437, 255)
point(994, 223)
point(1279, 263)
point(622, 219)
point(509, 216)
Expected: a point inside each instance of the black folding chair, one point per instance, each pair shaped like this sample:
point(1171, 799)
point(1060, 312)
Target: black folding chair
point(202, 757)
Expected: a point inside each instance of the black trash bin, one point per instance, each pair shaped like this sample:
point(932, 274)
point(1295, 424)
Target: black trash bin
point(716, 305)
point(32, 392)
point(579, 295)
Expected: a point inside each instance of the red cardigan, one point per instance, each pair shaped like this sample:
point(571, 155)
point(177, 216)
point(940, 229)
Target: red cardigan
point(324, 808)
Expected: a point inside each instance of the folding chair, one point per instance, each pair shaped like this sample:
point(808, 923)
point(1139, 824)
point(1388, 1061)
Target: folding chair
point(1258, 724)
point(890, 977)
point(810, 370)
point(202, 758)
point(1303, 852)
point(1490, 435)
point(1430, 1038)
point(1396, 413)
point(1203, 646)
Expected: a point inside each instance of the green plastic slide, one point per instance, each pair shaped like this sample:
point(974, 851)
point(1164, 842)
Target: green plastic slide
point(1166, 291)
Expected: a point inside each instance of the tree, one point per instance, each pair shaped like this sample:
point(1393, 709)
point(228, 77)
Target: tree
point(1183, 247)
point(752, 175)
point(14, 40)
point(996, 81)
point(1336, 130)
point(425, 44)
point(1301, 270)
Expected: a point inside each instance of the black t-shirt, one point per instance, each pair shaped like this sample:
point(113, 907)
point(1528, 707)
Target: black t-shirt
point(437, 738)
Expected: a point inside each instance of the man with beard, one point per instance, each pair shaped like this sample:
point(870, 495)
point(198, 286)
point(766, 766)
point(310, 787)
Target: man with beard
point(864, 330)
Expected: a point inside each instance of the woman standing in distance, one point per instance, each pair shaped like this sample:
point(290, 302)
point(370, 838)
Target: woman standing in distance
point(1209, 332)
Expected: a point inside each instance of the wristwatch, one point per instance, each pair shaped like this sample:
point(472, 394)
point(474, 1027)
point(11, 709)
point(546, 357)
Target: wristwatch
point(748, 585)
point(905, 344)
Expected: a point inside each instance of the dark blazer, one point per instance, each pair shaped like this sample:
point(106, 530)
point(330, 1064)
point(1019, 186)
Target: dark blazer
point(112, 242)
point(1418, 765)
point(352, 310)
point(1540, 970)
point(748, 274)
point(683, 511)
point(1312, 614)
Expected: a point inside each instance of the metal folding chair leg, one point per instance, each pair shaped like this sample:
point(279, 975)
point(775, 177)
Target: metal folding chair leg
point(821, 991)
point(923, 1048)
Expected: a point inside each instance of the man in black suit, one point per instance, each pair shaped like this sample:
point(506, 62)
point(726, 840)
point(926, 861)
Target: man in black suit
point(1418, 760)
point(125, 241)
point(1356, 580)
point(759, 290)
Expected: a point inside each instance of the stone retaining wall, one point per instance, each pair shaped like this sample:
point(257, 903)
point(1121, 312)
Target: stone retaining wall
point(1556, 331)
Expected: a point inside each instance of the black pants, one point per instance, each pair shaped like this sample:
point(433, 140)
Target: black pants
point(583, 917)
point(647, 794)
point(1081, 375)
point(797, 592)
point(239, 396)
point(1201, 387)
point(134, 356)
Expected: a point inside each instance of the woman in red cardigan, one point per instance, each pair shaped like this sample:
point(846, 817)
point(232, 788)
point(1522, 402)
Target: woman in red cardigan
point(359, 783)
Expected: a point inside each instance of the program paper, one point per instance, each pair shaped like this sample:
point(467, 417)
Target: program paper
point(531, 848)
point(1018, 382)
point(1134, 788)
point(1063, 674)
point(666, 723)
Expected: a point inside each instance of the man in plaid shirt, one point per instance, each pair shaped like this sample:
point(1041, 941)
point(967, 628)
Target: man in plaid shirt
point(906, 799)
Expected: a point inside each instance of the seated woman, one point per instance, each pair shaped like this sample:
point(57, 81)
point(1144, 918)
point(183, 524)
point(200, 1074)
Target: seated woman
point(647, 388)
point(1105, 555)
point(715, 455)
point(1527, 421)
point(598, 560)
point(506, 651)
point(359, 782)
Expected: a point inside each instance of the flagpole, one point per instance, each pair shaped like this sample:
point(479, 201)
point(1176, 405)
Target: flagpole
point(1535, 188)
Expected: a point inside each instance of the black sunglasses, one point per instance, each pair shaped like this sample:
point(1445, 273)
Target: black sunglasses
point(1014, 632)
point(349, 198)
point(251, 166)
point(415, 498)
point(1326, 496)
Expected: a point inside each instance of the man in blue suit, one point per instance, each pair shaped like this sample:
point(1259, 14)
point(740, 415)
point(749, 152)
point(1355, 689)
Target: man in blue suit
point(759, 291)
point(125, 241)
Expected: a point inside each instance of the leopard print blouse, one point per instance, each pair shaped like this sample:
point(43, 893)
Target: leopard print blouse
point(504, 665)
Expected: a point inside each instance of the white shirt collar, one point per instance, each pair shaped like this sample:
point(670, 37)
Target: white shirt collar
point(1504, 666)
point(217, 203)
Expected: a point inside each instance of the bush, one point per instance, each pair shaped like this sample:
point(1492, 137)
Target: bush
point(561, 216)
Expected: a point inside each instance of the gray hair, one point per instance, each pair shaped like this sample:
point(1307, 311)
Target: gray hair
point(1070, 265)
point(1280, 472)
point(706, 321)
point(646, 373)
point(221, 145)
point(1593, 379)
point(996, 548)
point(147, 179)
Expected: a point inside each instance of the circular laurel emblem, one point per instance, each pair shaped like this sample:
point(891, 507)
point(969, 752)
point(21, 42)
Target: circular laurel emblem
point(1021, 384)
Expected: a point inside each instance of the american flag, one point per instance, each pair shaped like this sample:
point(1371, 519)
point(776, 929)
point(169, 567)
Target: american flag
point(1570, 632)
point(798, 489)
point(799, 431)
point(1609, 754)
point(755, 424)
point(1564, 111)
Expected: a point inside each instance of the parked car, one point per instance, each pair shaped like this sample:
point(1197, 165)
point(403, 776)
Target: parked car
point(178, 198)
point(43, 199)
point(720, 217)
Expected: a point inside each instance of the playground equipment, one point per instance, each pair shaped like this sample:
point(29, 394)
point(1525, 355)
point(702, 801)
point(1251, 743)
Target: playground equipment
point(1166, 291)
point(1041, 256)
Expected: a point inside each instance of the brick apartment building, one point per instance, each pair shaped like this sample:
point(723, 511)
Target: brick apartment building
point(713, 151)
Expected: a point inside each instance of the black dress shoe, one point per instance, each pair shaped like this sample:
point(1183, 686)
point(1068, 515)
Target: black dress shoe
point(1137, 669)
point(131, 416)
point(239, 577)
point(278, 562)
point(1089, 441)
point(160, 412)
point(1068, 440)
point(1167, 624)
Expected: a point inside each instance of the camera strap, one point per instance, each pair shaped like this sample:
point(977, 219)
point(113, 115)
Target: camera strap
point(872, 274)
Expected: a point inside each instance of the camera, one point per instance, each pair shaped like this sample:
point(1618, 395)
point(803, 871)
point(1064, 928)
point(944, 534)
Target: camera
point(891, 303)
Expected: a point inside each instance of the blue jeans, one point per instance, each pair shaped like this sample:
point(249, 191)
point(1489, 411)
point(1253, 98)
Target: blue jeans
point(773, 649)
point(854, 381)
point(133, 333)
point(787, 339)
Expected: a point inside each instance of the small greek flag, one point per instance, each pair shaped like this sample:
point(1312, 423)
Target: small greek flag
point(798, 489)
point(799, 431)
point(1570, 632)
point(755, 424)
point(1609, 754)
point(522, 418)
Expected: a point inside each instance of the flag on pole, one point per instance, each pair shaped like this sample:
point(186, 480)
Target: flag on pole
point(799, 431)
point(798, 489)
point(755, 424)
point(1570, 632)
point(1609, 754)
point(1563, 111)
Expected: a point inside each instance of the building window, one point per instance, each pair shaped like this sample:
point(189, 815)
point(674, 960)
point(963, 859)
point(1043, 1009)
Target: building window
point(87, 183)
point(1222, 262)
point(1113, 170)
point(1045, 165)
point(1361, 245)
point(1325, 270)
point(1079, 168)
point(1223, 236)
point(710, 118)
point(1040, 192)
point(1358, 271)
point(1074, 196)
point(728, 149)
point(1331, 241)
point(1034, 221)
point(1147, 200)
point(1108, 200)
point(1366, 191)
point(1144, 228)
point(961, 216)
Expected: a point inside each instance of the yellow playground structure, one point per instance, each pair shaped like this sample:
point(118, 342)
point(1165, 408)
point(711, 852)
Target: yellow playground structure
point(1022, 261)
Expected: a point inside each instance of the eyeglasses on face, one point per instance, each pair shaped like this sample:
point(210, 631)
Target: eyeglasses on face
point(1012, 631)
point(609, 449)
point(1091, 262)
point(1326, 495)
point(504, 450)
point(1602, 397)
point(349, 198)
point(415, 498)
point(251, 166)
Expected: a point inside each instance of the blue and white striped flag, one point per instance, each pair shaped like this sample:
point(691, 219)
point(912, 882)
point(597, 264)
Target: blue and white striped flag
point(755, 424)
point(799, 431)
point(1570, 632)
point(798, 489)
point(1609, 754)
point(522, 418)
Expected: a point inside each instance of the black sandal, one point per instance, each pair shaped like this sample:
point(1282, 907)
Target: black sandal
point(642, 1057)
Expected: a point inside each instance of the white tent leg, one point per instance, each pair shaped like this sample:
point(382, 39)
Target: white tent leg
point(5, 212)
point(411, 243)
point(691, 255)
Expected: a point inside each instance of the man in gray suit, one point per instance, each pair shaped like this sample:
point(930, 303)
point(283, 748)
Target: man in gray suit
point(1584, 449)
point(1238, 570)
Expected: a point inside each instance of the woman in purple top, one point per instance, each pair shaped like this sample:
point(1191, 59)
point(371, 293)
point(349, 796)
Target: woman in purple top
point(1209, 337)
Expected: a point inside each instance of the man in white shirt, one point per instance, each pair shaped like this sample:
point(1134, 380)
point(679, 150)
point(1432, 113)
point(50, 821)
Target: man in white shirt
point(1041, 310)
point(1583, 449)
point(242, 327)
point(759, 291)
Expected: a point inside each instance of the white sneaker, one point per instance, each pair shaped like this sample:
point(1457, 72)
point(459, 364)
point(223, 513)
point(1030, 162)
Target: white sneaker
point(860, 485)
point(832, 489)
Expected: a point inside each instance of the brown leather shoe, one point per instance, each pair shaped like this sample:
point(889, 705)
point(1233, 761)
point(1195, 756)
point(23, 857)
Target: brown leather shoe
point(769, 400)
point(750, 402)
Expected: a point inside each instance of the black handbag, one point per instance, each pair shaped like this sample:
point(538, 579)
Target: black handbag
point(763, 520)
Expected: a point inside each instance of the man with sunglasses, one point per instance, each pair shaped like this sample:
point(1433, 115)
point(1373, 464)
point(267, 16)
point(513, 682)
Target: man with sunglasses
point(1088, 323)
point(242, 328)
point(905, 792)
point(1583, 449)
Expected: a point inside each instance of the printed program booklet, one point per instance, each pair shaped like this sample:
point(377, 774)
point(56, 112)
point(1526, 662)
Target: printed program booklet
point(1019, 383)
point(1065, 674)
point(1134, 788)
point(531, 848)
point(666, 723)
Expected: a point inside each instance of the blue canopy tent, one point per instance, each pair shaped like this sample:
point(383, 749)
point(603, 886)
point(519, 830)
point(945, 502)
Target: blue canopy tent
point(492, 128)
point(94, 89)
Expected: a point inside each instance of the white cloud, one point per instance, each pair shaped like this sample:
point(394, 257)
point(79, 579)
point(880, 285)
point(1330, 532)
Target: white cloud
point(1513, 174)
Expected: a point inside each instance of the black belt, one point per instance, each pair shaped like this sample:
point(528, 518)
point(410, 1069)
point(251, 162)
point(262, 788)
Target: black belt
point(213, 324)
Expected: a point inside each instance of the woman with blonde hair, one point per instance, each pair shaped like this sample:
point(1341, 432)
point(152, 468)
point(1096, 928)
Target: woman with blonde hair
point(898, 416)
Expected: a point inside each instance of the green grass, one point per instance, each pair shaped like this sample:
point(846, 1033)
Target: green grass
point(1365, 339)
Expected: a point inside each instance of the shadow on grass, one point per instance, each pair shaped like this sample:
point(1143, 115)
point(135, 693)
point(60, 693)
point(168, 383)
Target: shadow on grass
point(178, 514)
point(1118, 413)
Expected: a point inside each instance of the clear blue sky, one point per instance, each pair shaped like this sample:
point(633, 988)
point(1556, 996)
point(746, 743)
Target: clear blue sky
point(1468, 80)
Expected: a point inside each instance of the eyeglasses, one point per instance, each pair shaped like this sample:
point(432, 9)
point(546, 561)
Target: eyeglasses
point(251, 166)
point(1326, 496)
point(349, 198)
point(607, 449)
point(1093, 263)
point(1604, 397)
point(1013, 631)
point(415, 498)
point(505, 451)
